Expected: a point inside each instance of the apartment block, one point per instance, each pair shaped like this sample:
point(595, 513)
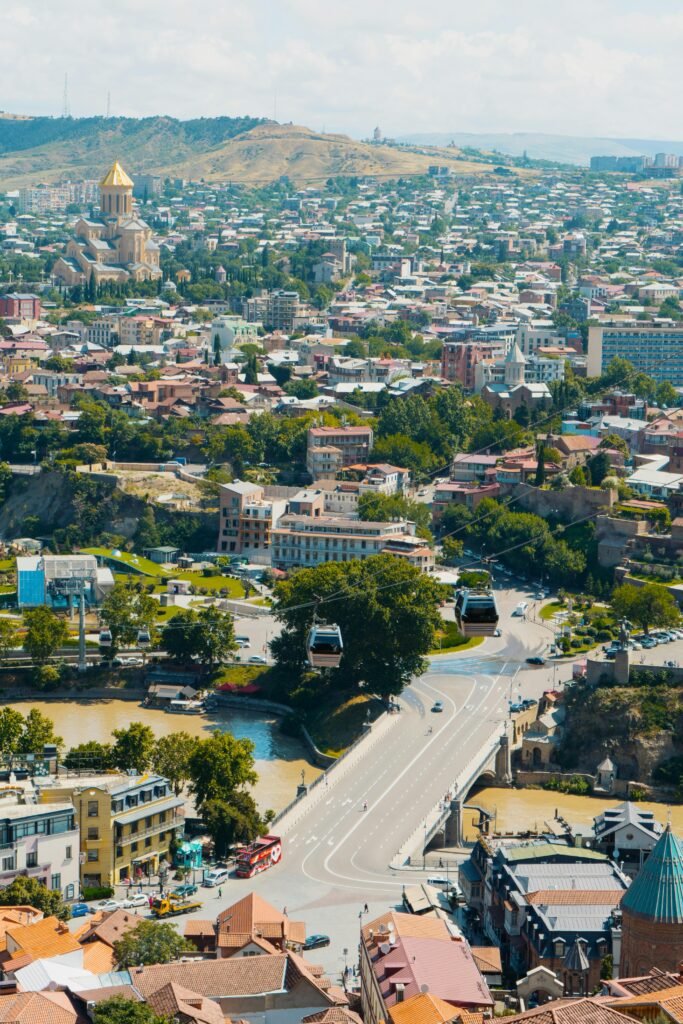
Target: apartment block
point(657, 351)
point(307, 540)
point(20, 306)
point(41, 841)
point(246, 518)
point(331, 449)
point(126, 823)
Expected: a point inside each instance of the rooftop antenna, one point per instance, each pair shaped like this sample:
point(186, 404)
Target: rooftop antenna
point(108, 104)
point(66, 112)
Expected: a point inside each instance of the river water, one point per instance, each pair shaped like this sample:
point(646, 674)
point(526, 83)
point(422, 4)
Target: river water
point(279, 759)
point(520, 809)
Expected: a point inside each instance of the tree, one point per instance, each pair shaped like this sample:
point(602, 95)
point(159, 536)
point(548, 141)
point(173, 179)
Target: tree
point(11, 729)
point(45, 634)
point(134, 747)
point(387, 610)
point(580, 476)
point(119, 1010)
point(8, 637)
point(540, 464)
point(151, 942)
point(219, 766)
point(647, 606)
point(616, 442)
point(207, 635)
point(383, 508)
point(667, 394)
point(251, 369)
point(29, 892)
point(126, 610)
point(91, 755)
point(234, 820)
point(171, 758)
point(598, 467)
point(38, 731)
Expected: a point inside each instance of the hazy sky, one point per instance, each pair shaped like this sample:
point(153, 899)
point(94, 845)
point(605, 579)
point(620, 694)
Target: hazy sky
point(589, 67)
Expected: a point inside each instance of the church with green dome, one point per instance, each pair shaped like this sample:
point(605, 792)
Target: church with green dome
point(652, 912)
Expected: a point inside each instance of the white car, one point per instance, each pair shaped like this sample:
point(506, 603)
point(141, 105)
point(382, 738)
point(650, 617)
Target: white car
point(107, 905)
point(138, 899)
point(215, 877)
point(242, 641)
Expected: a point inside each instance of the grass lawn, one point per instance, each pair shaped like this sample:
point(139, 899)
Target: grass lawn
point(144, 566)
point(7, 565)
point(473, 641)
point(213, 583)
point(334, 727)
point(242, 675)
point(549, 610)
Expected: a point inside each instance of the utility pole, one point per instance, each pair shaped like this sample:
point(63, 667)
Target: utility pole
point(66, 111)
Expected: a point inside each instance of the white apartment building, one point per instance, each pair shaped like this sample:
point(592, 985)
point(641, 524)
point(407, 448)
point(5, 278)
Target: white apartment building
point(330, 449)
point(304, 540)
point(40, 841)
point(534, 335)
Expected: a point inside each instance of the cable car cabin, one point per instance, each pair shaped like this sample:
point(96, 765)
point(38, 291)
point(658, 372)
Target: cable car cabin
point(144, 638)
point(325, 646)
point(476, 612)
point(105, 639)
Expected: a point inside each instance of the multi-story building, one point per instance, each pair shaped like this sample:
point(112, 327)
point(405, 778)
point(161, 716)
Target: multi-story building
point(459, 359)
point(20, 305)
point(283, 308)
point(40, 841)
point(104, 331)
point(307, 540)
point(657, 351)
point(126, 823)
point(246, 518)
point(330, 449)
point(52, 380)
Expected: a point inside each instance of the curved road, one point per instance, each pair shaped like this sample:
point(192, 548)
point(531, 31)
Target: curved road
point(336, 856)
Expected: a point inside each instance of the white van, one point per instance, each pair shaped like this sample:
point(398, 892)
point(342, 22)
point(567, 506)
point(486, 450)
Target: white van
point(521, 608)
point(215, 877)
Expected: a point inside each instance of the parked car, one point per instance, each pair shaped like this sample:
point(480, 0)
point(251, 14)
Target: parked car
point(437, 706)
point(79, 909)
point(138, 899)
point(242, 641)
point(257, 659)
point(188, 889)
point(316, 941)
point(535, 661)
point(127, 661)
point(107, 905)
point(215, 877)
point(648, 643)
point(520, 609)
point(440, 882)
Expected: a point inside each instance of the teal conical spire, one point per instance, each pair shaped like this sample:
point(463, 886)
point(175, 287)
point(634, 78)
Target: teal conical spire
point(657, 891)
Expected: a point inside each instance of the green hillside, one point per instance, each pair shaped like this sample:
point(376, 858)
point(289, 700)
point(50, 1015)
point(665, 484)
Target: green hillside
point(53, 148)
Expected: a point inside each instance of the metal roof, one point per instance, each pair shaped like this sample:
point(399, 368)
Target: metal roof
point(657, 891)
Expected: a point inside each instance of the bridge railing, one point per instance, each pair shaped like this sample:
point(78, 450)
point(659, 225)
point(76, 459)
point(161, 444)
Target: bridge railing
point(435, 818)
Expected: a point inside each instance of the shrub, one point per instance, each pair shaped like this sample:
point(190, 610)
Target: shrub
point(603, 634)
point(97, 892)
point(576, 642)
point(47, 677)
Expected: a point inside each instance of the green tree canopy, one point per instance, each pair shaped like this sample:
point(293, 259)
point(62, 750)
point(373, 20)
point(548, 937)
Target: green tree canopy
point(133, 747)
point(119, 1010)
point(236, 820)
point(29, 892)
point(151, 942)
point(38, 730)
point(45, 634)
point(221, 765)
point(387, 610)
point(126, 609)
point(383, 508)
point(648, 606)
point(172, 756)
point(91, 755)
point(207, 635)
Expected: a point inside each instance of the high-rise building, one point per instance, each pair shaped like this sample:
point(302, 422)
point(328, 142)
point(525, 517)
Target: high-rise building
point(657, 351)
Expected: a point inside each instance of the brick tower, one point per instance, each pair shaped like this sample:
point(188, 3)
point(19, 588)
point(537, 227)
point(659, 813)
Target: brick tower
point(652, 909)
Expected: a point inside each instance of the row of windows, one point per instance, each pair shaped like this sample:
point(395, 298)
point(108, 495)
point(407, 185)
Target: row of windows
point(40, 826)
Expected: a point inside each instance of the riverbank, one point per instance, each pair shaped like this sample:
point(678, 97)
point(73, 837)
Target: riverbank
point(280, 758)
point(519, 810)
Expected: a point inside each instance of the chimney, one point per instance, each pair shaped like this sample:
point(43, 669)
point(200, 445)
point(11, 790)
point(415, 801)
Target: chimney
point(400, 992)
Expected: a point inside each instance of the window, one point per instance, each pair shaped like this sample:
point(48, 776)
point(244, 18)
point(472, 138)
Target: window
point(93, 808)
point(148, 841)
point(133, 847)
point(133, 827)
point(56, 881)
point(93, 855)
point(69, 894)
point(8, 863)
point(32, 860)
point(93, 832)
point(119, 851)
point(67, 854)
point(148, 822)
point(162, 817)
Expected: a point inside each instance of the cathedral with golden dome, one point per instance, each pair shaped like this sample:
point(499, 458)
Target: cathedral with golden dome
point(117, 247)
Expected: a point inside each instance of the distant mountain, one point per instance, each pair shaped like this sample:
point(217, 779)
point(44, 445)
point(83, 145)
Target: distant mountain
point(568, 149)
point(249, 150)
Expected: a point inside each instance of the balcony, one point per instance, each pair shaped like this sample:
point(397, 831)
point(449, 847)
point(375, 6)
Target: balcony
point(153, 830)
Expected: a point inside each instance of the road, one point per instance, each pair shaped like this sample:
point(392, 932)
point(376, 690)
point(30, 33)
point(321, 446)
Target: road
point(336, 855)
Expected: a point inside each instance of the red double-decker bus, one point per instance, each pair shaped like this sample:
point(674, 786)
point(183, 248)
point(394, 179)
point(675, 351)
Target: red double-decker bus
point(258, 856)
